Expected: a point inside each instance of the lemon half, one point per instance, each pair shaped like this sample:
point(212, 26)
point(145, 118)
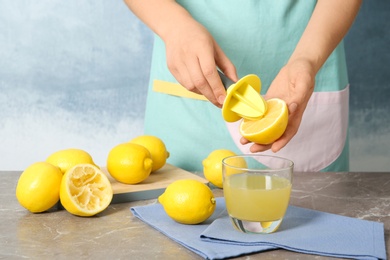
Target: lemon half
point(85, 190)
point(270, 127)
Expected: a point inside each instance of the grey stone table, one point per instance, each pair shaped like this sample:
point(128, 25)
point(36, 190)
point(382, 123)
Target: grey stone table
point(116, 234)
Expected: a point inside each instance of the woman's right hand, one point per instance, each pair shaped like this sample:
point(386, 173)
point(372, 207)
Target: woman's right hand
point(193, 56)
point(192, 53)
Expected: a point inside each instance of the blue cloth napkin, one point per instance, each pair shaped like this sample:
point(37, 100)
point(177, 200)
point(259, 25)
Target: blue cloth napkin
point(302, 230)
point(189, 235)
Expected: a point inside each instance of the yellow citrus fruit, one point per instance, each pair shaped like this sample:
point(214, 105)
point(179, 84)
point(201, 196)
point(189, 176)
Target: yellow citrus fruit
point(66, 159)
point(188, 201)
point(212, 166)
point(270, 127)
point(156, 147)
point(38, 187)
point(234, 165)
point(85, 190)
point(129, 163)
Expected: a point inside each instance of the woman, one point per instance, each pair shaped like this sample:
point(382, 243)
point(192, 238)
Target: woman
point(295, 47)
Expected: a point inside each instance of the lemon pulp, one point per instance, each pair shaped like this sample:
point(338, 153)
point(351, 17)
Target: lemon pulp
point(270, 127)
point(85, 190)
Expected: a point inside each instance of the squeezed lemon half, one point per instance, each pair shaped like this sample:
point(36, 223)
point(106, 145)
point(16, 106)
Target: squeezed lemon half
point(85, 190)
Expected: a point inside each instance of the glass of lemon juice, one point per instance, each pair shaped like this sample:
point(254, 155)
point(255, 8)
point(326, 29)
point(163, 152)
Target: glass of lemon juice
point(257, 191)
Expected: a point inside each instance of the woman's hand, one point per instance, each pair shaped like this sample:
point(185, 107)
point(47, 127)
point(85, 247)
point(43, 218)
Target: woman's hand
point(192, 53)
point(294, 84)
point(193, 57)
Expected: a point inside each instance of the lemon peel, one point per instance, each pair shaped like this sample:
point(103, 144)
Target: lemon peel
point(188, 201)
point(156, 147)
point(270, 127)
point(129, 163)
point(67, 158)
point(85, 190)
point(212, 166)
point(38, 187)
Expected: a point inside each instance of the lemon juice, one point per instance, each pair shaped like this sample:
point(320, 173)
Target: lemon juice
point(256, 198)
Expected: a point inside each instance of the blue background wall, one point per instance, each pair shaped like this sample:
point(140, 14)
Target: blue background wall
point(368, 56)
point(74, 74)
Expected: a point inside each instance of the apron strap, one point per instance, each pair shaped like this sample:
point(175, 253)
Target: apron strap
point(175, 89)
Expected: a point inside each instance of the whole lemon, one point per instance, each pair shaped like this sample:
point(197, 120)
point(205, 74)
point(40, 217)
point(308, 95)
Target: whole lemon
point(38, 187)
point(156, 147)
point(212, 166)
point(67, 158)
point(85, 190)
point(188, 201)
point(129, 163)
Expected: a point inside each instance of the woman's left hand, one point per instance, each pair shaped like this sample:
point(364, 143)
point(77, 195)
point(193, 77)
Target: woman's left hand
point(295, 85)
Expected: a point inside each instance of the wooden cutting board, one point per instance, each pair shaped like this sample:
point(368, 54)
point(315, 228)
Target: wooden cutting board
point(152, 187)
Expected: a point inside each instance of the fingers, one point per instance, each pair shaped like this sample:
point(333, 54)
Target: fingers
point(255, 147)
point(295, 85)
point(294, 120)
point(291, 130)
point(205, 79)
point(183, 76)
point(276, 146)
point(227, 67)
point(213, 88)
point(284, 139)
point(199, 75)
point(197, 71)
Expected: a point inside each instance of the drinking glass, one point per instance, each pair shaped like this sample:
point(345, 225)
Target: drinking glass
point(257, 191)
